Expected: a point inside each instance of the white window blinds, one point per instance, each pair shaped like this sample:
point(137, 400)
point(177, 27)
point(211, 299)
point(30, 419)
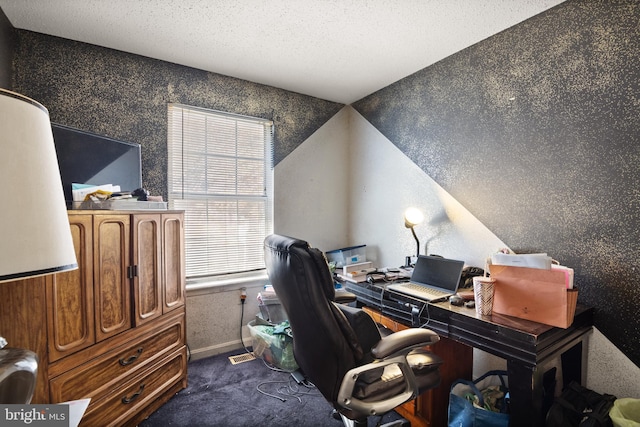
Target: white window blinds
point(220, 173)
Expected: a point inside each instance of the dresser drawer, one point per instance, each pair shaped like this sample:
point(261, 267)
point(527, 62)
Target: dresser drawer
point(133, 395)
point(102, 374)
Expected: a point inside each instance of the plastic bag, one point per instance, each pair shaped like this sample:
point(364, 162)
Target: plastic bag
point(625, 412)
point(477, 403)
point(273, 343)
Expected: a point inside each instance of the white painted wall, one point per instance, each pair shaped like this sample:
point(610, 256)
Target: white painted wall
point(384, 182)
point(312, 187)
point(609, 370)
point(215, 316)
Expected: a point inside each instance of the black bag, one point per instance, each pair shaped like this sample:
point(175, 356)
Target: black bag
point(579, 406)
point(467, 275)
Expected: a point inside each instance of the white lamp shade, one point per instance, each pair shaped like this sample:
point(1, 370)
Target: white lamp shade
point(35, 237)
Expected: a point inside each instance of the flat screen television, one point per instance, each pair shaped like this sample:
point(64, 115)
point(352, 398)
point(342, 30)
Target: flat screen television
point(86, 158)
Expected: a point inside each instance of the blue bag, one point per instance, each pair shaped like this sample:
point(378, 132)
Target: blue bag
point(488, 391)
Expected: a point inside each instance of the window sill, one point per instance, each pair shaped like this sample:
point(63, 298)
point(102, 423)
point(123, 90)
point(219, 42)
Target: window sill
point(226, 283)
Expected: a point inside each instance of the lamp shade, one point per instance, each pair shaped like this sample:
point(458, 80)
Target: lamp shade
point(35, 237)
point(412, 216)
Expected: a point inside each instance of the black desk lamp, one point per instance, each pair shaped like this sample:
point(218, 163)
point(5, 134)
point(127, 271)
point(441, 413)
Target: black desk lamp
point(413, 217)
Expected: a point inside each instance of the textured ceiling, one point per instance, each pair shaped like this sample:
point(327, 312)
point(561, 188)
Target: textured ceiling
point(337, 50)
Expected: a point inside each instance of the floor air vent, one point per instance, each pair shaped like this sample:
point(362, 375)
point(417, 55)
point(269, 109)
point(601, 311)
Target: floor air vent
point(240, 358)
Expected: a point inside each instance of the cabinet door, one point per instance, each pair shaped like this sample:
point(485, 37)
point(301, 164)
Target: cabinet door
point(173, 293)
point(111, 259)
point(70, 311)
point(147, 287)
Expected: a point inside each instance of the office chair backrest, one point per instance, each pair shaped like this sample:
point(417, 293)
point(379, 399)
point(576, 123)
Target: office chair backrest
point(324, 344)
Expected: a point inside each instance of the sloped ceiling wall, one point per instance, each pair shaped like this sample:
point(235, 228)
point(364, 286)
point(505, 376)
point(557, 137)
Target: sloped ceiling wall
point(536, 132)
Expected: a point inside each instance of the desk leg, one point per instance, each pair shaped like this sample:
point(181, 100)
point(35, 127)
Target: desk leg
point(529, 400)
point(526, 395)
point(573, 365)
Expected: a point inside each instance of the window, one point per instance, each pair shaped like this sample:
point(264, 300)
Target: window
point(221, 174)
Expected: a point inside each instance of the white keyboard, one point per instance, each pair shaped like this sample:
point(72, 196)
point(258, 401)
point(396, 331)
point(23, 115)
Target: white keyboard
point(419, 291)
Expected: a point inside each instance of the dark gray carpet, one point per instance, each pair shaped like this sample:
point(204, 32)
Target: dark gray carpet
point(226, 395)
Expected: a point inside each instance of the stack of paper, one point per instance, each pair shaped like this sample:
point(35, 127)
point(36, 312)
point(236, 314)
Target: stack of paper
point(568, 273)
point(356, 273)
point(80, 191)
point(539, 260)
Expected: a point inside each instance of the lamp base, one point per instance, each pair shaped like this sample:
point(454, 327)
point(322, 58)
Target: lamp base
point(410, 261)
point(18, 369)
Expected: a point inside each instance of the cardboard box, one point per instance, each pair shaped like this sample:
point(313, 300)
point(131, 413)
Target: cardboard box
point(534, 294)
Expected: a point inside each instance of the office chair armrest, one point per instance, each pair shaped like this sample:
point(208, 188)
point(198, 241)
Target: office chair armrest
point(404, 341)
point(373, 407)
point(344, 297)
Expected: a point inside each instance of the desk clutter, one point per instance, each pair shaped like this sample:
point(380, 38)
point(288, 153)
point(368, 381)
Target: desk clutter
point(110, 197)
point(347, 256)
point(533, 287)
point(527, 286)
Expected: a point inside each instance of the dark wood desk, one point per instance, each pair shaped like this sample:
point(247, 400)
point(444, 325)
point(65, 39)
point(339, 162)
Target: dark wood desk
point(534, 352)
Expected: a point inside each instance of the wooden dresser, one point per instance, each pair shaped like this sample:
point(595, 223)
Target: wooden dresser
point(113, 330)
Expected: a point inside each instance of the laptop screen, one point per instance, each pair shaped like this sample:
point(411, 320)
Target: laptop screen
point(434, 271)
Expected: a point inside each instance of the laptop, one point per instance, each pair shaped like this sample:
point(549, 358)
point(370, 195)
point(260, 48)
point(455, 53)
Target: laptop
point(433, 278)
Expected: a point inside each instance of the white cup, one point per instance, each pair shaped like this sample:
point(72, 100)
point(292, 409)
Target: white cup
point(483, 290)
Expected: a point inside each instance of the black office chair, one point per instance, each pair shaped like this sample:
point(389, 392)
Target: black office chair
point(339, 348)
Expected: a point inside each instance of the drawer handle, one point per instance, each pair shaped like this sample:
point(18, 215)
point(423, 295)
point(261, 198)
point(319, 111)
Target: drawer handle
point(134, 396)
point(130, 360)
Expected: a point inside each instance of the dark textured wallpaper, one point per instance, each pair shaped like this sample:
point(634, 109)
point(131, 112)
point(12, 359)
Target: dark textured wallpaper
point(125, 96)
point(7, 41)
point(536, 131)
